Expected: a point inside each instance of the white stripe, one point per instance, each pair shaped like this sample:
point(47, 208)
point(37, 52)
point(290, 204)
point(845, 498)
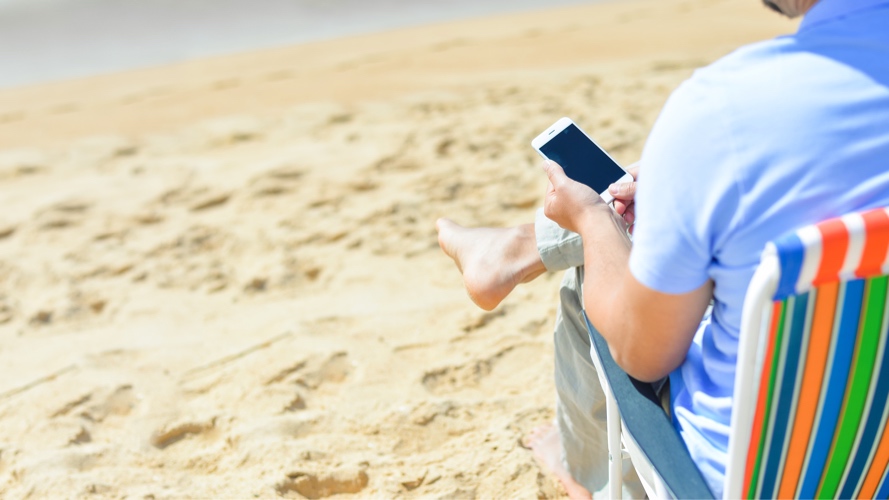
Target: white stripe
point(811, 238)
point(855, 225)
point(886, 262)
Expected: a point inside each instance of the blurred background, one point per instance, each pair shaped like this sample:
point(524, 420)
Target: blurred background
point(219, 271)
point(44, 40)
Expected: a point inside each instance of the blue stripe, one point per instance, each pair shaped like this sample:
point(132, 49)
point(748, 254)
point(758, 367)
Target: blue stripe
point(836, 387)
point(869, 437)
point(883, 490)
point(797, 320)
point(791, 253)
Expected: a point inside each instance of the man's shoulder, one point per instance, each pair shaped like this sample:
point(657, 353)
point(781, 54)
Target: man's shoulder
point(747, 65)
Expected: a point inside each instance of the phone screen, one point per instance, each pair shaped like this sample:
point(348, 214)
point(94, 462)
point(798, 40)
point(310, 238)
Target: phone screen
point(581, 159)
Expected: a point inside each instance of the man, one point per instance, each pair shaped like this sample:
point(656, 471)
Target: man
point(775, 136)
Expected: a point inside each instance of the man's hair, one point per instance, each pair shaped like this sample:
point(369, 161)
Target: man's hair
point(772, 5)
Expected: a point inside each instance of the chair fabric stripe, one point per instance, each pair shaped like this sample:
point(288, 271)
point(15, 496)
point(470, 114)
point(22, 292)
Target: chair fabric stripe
point(876, 248)
point(810, 237)
point(822, 409)
point(852, 294)
point(786, 374)
point(883, 491)
point(757, 437)
point(855, 228)
point(833, 254)
point(790, 253)
point(885, 267)
point(867, 440)
point(878, 467)
point(856, 394)
point(810, 390)
point(881, 456)
point(821, 423)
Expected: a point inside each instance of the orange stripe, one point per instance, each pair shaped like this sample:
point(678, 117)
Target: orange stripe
point(875, 473)
point(753, 448)
point(876, 242)
point(835, 242)
point(810, 390)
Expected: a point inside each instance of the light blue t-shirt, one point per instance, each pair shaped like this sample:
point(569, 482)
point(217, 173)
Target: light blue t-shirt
point(775, 136)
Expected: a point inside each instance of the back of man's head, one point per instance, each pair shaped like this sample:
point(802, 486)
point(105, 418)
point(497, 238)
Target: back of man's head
point(790, 8)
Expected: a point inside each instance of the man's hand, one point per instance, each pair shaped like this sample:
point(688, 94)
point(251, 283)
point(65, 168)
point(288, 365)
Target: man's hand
point(624, 195)
point(568, 202)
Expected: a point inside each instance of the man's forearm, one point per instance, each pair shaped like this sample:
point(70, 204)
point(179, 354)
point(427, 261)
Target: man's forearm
point(648, 332)
point(606, 258)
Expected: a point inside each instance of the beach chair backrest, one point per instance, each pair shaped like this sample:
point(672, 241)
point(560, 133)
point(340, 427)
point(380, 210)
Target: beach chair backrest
point(812, 385)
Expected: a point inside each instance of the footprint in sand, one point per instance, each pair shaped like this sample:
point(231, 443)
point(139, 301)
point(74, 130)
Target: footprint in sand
point(176, 431)
point(64, 432)
point(208, 200)
point(277, 180)
point(230, 130)
point(64, 214)
point(7, 229)
point(454, 378)
point(20, 163)
point(97, 405)
point(7, 309)
point(99, 149)
point(196, 199)
point(334, 369)
point(197, 259)
point(321, 485)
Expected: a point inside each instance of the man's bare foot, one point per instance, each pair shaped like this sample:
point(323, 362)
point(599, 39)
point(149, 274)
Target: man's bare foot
point(493, 261)
point(546, 446)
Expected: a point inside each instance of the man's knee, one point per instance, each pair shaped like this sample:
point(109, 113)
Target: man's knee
point(569, 321)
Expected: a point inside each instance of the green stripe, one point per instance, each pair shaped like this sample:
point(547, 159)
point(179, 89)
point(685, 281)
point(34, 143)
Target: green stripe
point(857, 390)
point(754, 486)
point(875, 399)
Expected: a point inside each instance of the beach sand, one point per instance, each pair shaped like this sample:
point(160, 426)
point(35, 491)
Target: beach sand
point(220, 279)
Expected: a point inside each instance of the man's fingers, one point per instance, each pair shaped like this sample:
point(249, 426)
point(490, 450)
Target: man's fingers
point(630, 215)
point(620, 207)
point(623, 191)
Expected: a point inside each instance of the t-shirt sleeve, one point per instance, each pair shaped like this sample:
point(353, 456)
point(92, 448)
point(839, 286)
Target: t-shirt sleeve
point(687, 198)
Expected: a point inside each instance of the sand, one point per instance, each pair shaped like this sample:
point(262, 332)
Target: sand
point(221, 278)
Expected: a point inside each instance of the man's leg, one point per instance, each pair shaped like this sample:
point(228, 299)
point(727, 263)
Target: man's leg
point(493, 261)
point(580, 401)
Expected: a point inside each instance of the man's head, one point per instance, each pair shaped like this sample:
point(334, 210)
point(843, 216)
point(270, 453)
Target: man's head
point(790, 8)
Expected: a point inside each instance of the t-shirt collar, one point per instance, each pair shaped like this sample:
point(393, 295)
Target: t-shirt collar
point(828, 10)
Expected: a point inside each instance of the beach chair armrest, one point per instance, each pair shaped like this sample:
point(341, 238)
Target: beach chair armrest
point(647, 424)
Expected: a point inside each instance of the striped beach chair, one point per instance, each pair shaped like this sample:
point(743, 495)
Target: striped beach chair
point(811, 396)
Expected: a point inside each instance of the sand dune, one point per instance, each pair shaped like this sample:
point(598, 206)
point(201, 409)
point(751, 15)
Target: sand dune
point(221, 279)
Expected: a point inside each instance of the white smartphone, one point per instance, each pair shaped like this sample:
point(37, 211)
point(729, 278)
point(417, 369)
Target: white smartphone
point(581, 158)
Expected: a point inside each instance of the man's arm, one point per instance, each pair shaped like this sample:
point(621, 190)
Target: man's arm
point(648, 332)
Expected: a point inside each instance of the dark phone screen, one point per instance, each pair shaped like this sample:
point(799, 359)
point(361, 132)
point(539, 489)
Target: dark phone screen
point(581, 159)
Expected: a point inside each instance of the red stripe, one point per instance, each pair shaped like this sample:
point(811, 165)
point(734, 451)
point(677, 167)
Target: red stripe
point(753, 448)
point(834, 244)
point(876, 242)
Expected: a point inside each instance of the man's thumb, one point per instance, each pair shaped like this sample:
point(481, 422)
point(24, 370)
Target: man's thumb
point(553, 171)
